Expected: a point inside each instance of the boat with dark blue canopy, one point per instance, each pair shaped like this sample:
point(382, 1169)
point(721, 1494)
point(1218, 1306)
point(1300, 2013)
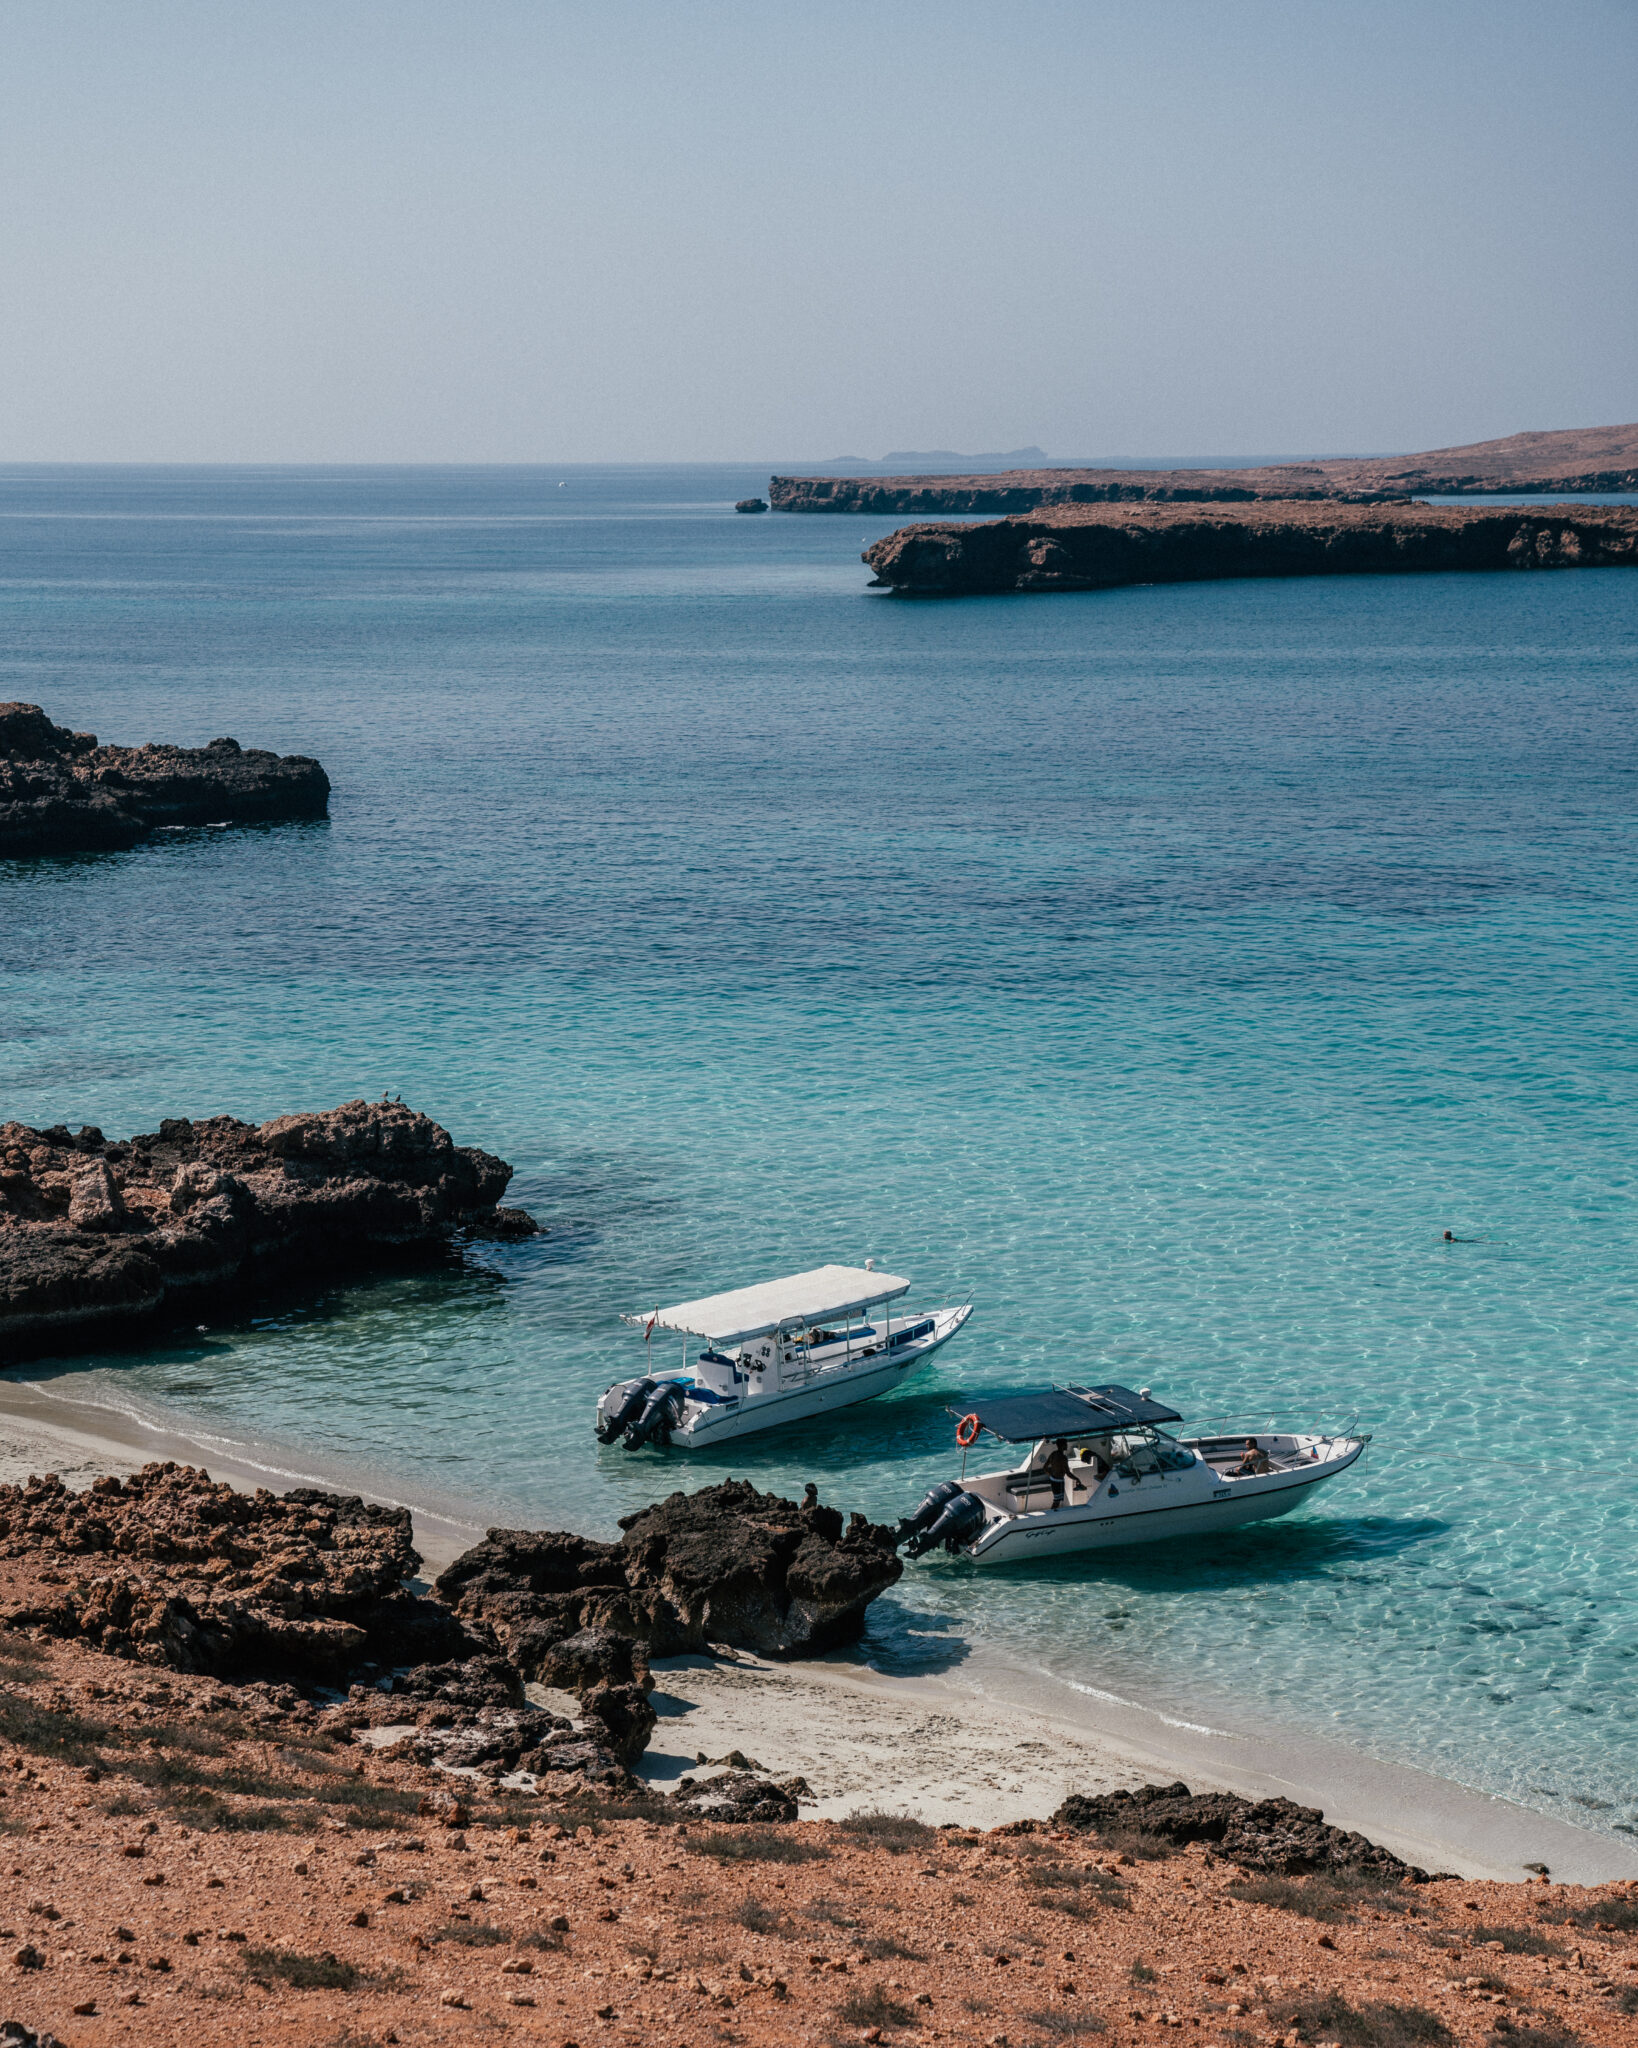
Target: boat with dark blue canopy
point(1103, 1471)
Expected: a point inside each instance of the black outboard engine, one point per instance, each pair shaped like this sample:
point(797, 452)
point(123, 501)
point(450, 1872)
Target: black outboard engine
point(958, 1522)
point(622, 1403)
point(662, 1411)
point(928, 1512)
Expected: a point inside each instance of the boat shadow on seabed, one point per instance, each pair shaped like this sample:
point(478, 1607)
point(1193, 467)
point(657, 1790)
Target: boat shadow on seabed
point(1328, 1547)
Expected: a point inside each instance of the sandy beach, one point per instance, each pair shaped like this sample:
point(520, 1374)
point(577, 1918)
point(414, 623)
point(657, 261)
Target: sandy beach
point(981, 1745)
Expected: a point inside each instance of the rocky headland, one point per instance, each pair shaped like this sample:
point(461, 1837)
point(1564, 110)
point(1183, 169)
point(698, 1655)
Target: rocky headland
point(1100, 547)
point(60, 792)
point(1036, 490)
point(1580, 459)
point(99, 1237)
point(212, 1835)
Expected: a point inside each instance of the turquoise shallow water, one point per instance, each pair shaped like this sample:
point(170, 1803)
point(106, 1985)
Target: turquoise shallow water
point(1165, 969)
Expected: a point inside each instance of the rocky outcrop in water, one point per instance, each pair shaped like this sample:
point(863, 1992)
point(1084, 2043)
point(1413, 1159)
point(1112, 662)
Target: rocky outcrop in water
point(1262, 1834)
point(724, 1565)
point(60, 792)
point(1577, 460)
point(750, 504)
point(1098, 548)
point(98, 1236)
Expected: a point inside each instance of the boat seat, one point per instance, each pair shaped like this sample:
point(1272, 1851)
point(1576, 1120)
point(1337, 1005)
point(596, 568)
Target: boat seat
point(1022, 1486)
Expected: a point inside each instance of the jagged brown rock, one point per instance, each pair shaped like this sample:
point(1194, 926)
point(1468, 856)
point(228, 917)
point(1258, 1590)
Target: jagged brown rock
point(171, 1568)
point(1100, 547)
point(724, 1565)
point(1576, 459)
point(620, 1717)
point(1261, 1834)
point(742, 1798)
point(98, 1236)
point(60, 792)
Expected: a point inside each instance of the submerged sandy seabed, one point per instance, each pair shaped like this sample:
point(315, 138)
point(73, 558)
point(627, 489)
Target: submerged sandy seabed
point(981, 1745)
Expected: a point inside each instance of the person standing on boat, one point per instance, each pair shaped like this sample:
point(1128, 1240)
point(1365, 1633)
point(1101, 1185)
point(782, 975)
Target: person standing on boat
point(1056, 1468)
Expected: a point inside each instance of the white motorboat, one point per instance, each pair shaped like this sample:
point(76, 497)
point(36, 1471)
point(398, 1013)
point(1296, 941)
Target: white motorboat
point(1102, 1472)
point(779, 1352)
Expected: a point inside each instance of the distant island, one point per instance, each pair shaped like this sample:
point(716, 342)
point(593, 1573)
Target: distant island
point(935, 461)
point(1577, 459)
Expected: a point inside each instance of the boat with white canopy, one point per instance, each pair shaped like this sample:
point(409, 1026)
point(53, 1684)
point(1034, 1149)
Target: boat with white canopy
point(1102, 1472)
point(778, 1352)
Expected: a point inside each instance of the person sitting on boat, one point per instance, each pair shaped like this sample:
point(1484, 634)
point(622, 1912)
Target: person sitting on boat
point(1094, 1468)
point(1254, 1461)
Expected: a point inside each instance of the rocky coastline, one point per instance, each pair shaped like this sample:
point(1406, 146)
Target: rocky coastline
point(1576, 460)
point(250, 1778)
point(1025, 491)
point(60, 792)
point(100, 1238)
point(311, 1591)
point(1100, 548)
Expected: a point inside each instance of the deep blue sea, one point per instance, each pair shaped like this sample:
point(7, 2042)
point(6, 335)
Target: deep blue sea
point(1165, 969)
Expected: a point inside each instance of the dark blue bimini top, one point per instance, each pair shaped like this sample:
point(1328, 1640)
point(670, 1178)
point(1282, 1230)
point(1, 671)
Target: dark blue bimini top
point(1065, 1411)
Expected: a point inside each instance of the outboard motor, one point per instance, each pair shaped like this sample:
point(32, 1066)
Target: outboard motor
point(622, 1403)
point(928, 1512)
point(958, 1522)
point(662, 1411)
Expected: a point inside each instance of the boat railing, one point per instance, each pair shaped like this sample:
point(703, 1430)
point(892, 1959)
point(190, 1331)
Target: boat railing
point(1230, 1430)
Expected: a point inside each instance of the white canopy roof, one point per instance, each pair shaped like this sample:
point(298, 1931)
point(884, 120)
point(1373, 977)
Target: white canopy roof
point(817, 1297)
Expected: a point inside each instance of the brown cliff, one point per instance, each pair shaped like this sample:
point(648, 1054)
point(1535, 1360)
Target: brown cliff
point(1099, 547)
point(62, 793)
point(1578, 459)
point(96, 1237)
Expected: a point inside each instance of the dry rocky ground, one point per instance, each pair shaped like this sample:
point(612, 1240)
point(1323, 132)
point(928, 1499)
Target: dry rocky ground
point(188, 1861)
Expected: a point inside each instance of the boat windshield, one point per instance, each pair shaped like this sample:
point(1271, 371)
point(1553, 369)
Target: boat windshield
point(1130, 1452)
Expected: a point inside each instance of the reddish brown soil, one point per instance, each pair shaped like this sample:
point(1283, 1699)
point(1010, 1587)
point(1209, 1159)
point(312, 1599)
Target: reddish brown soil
point(216, 1847)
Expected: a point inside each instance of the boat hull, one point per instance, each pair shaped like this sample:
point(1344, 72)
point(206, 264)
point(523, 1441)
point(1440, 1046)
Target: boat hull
point(1073, 1531)
point(823, 1396)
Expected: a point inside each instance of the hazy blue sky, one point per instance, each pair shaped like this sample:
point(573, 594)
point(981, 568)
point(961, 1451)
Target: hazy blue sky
point(485, 230)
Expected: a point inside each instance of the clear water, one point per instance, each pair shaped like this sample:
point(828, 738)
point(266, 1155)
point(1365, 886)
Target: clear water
point(1166, 969)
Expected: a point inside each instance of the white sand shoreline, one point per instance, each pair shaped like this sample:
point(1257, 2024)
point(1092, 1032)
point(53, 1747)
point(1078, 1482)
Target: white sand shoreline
point(985, 1743)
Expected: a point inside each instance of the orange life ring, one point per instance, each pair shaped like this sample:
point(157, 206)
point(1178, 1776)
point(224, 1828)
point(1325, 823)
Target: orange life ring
point(967, 1431)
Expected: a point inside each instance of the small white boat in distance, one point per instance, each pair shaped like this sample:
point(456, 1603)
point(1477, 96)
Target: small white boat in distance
point(778, 1352)
point(1102, 1472)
